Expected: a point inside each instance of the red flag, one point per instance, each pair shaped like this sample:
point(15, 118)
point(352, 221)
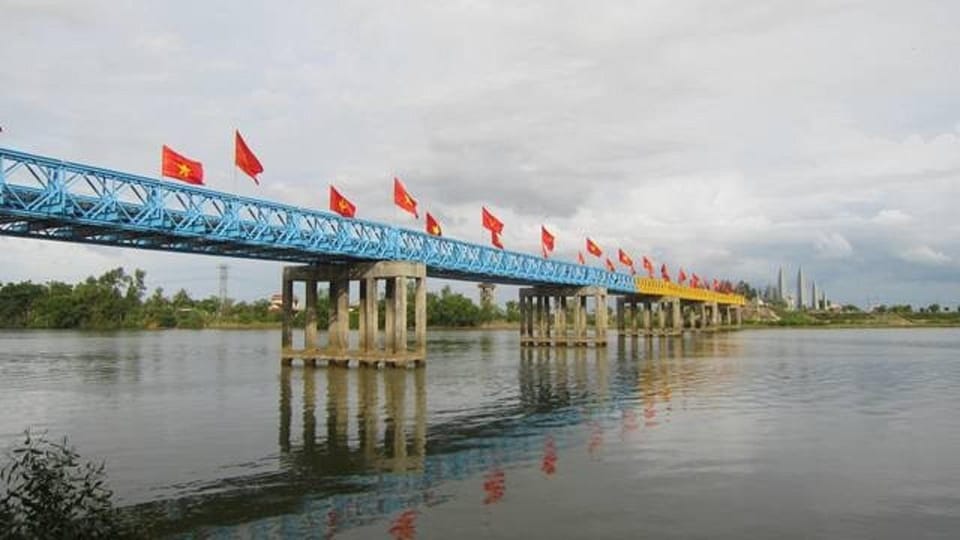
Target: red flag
point(340, 204)
point(716, 285)
point(546, 241)
point(593, 248)
point(664, 273)
point(244, 158)
point(433, 226)
point(174, 165)
point(681, 277)
point(610, 265)
point(648, 266)
point(495, 239)
point(695, 281)
point(403, 199)
point(624, 258)
point(580, 258)
point(490, 222)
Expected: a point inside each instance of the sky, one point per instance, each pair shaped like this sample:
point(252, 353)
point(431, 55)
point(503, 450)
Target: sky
point(730, 138)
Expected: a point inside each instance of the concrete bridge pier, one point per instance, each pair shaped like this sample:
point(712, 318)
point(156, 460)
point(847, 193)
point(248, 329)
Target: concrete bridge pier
point(633, 317)
point(394, 351)
point(544, 311)
point(690, 316)
point(726, 316)
point(676, 317)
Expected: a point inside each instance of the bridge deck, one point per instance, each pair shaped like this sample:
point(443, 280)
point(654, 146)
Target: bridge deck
point(48, 198)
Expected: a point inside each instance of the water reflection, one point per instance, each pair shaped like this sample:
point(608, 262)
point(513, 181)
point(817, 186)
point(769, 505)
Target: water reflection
point(365, 443)
point(355, 448)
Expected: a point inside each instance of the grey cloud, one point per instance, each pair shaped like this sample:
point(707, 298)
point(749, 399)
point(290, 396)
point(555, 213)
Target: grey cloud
point(728, 137)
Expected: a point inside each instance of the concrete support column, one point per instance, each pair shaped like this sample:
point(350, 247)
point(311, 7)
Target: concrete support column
point(621, 317)
point(601, 318)
point(739, 315)
point(531, 317)
point(401, 314)
point(539, 323)
point(364, 330)
point(582, 330)
point(339, 327)
point(647, 318)
point(715, 312)
point(703, 315)
point(286, 332)
point(420, 314)
point(559, 326)
point(676, 318)
point(310, 316)
point(390, 316)
point(562, 313)
point(661, 317)
point(547, 320)
point(522, 308)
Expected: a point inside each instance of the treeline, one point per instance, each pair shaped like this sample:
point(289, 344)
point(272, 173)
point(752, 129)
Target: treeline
point(907, 308)
point(118, 300)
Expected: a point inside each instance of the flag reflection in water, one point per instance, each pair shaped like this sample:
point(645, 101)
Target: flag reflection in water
point(549, 462)
point(494, 485)
point(404, 527)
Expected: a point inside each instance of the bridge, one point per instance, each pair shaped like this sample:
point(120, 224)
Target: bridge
point(48, 198)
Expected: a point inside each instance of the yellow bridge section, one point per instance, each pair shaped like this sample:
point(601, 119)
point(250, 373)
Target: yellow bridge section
point(659, 287)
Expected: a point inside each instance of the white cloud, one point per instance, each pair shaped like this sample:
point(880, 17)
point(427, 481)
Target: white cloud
point(832, 246)
point(924, 255)
point(891, 217)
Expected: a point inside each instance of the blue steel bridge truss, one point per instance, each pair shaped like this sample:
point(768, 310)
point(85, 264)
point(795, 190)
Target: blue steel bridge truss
point(47, 198)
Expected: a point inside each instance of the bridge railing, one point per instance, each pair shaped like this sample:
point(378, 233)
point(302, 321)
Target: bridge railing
point(44, 197)
point(659, 287)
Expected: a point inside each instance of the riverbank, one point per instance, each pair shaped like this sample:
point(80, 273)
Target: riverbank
point(771, 318)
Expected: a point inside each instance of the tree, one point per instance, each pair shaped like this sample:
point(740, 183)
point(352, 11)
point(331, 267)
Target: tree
point(451, 309)
point(933, 308)
point(157, 311)
point(17, 302)
point(513, 311)
point(48, 492)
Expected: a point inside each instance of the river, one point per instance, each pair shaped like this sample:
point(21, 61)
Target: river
point(757, 433)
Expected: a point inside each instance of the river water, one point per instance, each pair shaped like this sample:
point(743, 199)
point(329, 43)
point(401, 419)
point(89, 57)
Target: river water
point(762, 433)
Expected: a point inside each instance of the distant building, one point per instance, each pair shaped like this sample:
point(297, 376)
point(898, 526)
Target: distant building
point(781, 286)
point(800, 304)
point(276, 303)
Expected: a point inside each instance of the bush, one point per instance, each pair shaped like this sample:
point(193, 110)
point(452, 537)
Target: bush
point(47, 492)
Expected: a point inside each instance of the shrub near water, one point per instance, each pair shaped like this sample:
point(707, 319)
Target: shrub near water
point(47, 492)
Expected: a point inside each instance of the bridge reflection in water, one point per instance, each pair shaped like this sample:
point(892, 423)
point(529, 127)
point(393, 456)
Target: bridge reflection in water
point(371, 456)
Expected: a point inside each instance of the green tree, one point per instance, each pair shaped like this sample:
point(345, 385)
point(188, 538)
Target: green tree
point(513, 311)
point(17, 302)
point(451, 309)
point(48, 492)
